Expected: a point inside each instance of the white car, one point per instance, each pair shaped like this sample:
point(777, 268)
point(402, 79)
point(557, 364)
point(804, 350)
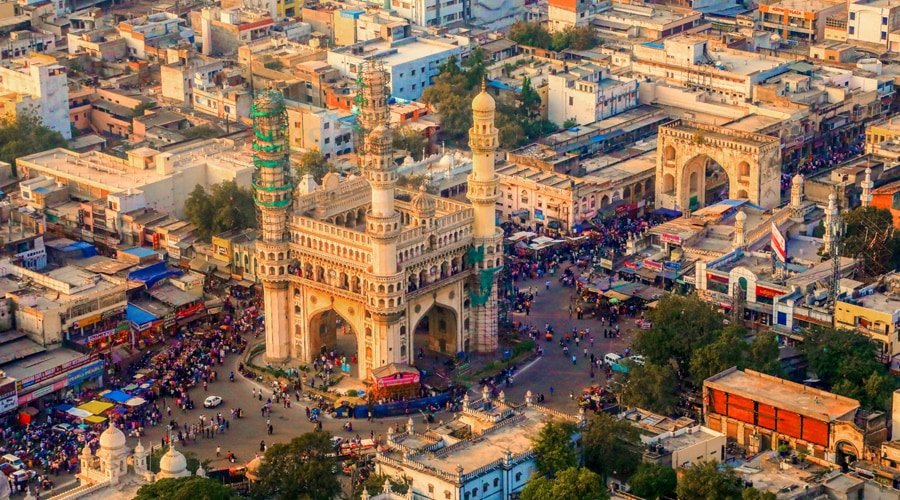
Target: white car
point(638, 359)
point(212, 402)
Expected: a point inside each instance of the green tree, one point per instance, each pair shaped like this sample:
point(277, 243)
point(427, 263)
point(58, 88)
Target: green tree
point(570, 484)
point(300, 469)
point(186, 488)
point(728, 350)
point(199, 211)
point(846, 361)
point(869, 236)
point(571, 122)
point(23, 135)
point(530, 34)
point(755, 494)
point(312, 162)
point(141, 109)
point(704, 481)
point(233, 207)
point(651, 386)
point(412, 141)
point(611, 446)
point(681, 325)
point(765, 354)
point(653, 481)
point(274, 64)
point(553, 448)
point(374, 485)
point(200, 132)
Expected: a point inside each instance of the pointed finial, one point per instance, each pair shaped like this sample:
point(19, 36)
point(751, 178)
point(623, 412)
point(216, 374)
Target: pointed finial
point(484, 83)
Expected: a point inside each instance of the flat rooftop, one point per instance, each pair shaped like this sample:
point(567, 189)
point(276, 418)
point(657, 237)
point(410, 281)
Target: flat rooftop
point(38, 363)
point(806, 5)
point(880, 302)
point(490, 446)
point(540, 176)
point(784, 394)
point(688, 437)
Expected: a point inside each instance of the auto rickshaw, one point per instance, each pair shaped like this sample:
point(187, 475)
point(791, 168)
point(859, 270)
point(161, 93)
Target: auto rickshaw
point(548, 336)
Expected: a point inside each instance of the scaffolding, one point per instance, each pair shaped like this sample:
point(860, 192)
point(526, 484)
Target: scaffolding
point(272, 179)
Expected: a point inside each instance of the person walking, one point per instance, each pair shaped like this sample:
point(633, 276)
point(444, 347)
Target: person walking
point(218, 451)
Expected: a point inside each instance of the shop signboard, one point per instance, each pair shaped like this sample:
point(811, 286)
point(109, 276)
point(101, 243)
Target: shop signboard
point(606, 264)
point(653, 265)
point(674, 239)
point(52, 372)
point(9, 397)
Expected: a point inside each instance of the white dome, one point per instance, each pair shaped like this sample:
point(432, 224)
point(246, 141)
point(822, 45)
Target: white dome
point(139, 449)
point(445, 162)
point(112, 438)
point(172, 464)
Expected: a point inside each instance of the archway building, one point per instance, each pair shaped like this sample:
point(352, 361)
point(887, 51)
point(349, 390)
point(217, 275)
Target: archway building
point(358, 257)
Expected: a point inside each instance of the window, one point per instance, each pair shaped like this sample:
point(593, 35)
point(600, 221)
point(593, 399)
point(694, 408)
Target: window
point(326, 126)
point(884, 35)
point(518, 476)
point(571, 101)
point(430, 488)
point(327, 140)
point(851, 30)
point(853, 16)
point(884, 21)
point(484, 487)
point(496, 482)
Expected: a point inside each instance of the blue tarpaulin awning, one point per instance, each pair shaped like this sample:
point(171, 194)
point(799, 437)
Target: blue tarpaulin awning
point(152, 274)
point(117, 396)
point(138, 316)
point(667, 212)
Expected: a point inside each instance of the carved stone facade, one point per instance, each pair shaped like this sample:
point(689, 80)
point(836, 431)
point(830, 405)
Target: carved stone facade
point(369, 262)
point(752, 163)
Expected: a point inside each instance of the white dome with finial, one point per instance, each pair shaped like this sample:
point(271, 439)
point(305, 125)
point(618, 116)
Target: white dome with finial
point(483, 101)
point(741, 216)
point(173, 464)
point(139, 449)
point(112, 438)
point(446, 162)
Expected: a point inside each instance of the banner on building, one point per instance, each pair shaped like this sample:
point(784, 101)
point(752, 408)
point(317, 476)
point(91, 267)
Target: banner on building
point(778, 244)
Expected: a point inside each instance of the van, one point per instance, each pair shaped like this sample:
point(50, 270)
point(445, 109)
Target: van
point(611, 358)
point(14, 461)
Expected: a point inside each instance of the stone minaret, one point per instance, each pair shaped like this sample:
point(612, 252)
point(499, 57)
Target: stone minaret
point(740, 230)
point(384, 296)
point(831, 218)
point(867, 185)
point(272, 191)
point(796, 191)
point(483, 193)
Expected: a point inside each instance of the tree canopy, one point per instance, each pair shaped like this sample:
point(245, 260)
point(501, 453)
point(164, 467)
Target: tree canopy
point(704, 481)
point(533, 34)
point(312, 162)
point(227, 207)
point(650, 386)
point(569, 484)
point(300, 469)
point(653, 481)
point(611, 446)
point(410, 140)
point(186, 488)
point(553, 448)
point(454, 88)
point(846, 361)
point(23, 135)
point(869, 236)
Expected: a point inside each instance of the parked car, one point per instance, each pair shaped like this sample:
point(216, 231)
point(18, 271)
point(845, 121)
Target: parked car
point(14, 461)
point(212, 401)
point(63, 428)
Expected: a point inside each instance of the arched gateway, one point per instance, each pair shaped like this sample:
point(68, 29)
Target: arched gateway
point(688, 151)
point(368, 270)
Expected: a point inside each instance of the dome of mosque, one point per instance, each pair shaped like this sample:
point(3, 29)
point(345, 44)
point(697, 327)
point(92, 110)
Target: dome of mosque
point(112, 438)
point(423, 203)
point(445, 163)
point(483, 102)
point(741, 216)
point(172, 464)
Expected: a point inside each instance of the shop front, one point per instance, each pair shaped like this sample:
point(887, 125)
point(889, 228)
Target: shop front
point(72, 374)
point(99, 331)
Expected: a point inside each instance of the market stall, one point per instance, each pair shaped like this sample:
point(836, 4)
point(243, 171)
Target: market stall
point(395, 381)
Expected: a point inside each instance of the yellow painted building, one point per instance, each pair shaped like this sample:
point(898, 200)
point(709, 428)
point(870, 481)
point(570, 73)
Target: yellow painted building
point(288, 8)
point(883, 131)
point(875, 315)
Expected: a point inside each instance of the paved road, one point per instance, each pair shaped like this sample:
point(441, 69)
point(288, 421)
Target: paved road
point(554, 369)
point(244, 435)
